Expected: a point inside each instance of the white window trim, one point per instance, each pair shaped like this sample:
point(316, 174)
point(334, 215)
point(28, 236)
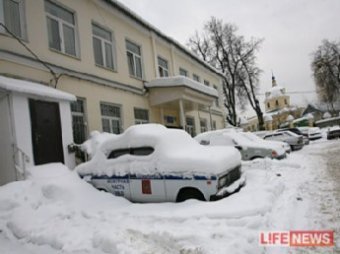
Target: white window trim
point(61, 22)
point(112, 43)
point(134, 61)
point(23, 23)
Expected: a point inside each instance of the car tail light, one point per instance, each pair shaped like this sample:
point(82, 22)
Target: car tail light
point(274, 153)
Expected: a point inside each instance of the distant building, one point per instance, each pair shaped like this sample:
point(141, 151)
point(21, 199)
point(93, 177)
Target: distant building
point(319, 110)
point(279, 112)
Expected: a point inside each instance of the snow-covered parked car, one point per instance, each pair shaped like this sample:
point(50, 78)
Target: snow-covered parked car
point(312, 133)
point(333, 133)
point(297, 132)
point(273, 143)
point(150, 163)
point(248, 148)
point(295, 141)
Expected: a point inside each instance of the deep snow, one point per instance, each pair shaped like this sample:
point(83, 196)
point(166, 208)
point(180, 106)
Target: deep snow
point(54, 211)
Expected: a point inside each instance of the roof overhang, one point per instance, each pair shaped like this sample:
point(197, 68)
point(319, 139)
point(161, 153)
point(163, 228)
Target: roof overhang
point(34, 89)
point(171, 89)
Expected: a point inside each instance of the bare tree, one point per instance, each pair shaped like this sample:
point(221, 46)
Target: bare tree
point(220, 46)
point(326, 72)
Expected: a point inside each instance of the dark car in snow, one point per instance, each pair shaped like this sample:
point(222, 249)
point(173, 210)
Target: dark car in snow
point(333, 133)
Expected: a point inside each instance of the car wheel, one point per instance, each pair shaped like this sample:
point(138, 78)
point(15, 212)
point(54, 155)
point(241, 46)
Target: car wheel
point(189, 193)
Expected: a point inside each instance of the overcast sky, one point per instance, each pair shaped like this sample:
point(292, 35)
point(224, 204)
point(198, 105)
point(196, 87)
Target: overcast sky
point(292, 30)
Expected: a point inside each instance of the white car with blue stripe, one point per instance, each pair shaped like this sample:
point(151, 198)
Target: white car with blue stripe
point(150, 163)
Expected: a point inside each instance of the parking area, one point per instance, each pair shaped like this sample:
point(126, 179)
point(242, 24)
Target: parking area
point(55, 211)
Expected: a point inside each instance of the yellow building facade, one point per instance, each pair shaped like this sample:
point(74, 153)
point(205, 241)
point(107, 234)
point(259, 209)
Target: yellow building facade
point(279, 112)
point(122, 69)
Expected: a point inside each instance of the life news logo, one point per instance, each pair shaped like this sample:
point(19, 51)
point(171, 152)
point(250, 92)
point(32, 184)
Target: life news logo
point(308, 238)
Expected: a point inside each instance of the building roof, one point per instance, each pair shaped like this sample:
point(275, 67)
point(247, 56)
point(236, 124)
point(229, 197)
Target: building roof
point(128, 12)
point(274, 92)
point(182, 81)
point(32, 88)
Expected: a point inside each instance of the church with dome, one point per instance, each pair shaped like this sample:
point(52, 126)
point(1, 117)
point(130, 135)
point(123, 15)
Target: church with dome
point(278, 111)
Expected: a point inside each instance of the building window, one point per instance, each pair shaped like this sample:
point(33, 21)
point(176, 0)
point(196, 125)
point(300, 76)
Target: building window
point(61, 29)
point(12, 15)
point(111, 118)
point(171, 120)
point(196, 77)
point(78, 121)
point(277, 103)
point(217, 101)
point(190, 126)
point(268, 105)
point(134, 58)
point(102, 47)
point(286, 101)
point(203, 125)
point(163, 68)
point(141, 116)
point(206, 82)
point(183, 72)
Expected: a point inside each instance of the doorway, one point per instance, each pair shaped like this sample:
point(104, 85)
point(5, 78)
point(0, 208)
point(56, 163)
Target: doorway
point(46, 132)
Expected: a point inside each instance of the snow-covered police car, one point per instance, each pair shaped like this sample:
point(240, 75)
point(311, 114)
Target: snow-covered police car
point(150, 163)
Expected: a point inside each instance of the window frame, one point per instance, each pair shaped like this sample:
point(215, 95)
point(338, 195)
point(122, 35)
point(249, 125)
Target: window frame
point(134, 75)
point(203, 128)
point(22, 14)
point(61, 22)
point(138, 120)
point(183, 70)
point(81, 114)
point(191, 129)
point(110, 118)
point(163, 71)
point(217, 100)
point(196, 78)
point(103, 49)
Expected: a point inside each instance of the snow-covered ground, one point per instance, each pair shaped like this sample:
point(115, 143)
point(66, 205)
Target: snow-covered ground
point(54, 211)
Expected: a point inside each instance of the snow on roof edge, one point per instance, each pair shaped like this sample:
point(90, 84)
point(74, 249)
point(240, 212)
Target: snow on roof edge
point(161, 34)
point(182, 81)
point(32, 88)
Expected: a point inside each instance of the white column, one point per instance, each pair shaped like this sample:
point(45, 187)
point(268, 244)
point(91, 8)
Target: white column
point(181, 114)
point(162, 115)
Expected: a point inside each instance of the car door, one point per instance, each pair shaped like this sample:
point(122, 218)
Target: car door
point(147, 185)
point(118, 184)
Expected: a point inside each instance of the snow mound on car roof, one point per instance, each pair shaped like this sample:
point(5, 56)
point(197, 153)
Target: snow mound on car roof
point(175, 152)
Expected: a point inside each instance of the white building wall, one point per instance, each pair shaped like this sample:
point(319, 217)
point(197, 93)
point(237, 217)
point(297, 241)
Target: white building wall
point(7, 172)
point(66, 130)
point(22, 125)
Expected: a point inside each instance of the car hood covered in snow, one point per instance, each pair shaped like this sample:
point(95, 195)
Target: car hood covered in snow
point(175, 153)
